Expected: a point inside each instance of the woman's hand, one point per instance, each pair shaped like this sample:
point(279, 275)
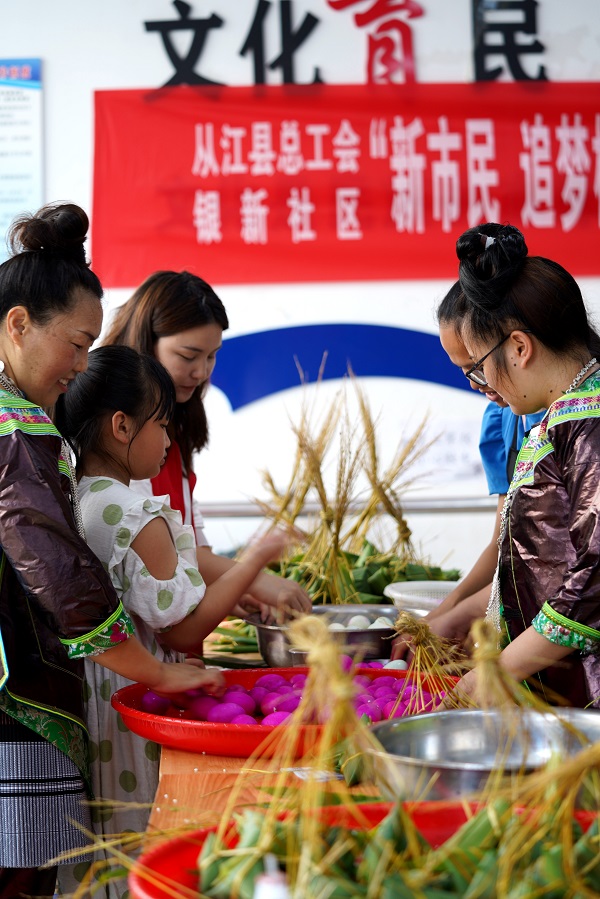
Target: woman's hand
point(402, 648)
point(454, 624)
point(464, 694)
point(178, 677)
point(132, 660)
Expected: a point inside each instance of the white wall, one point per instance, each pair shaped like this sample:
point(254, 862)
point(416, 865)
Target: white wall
point(89, 45)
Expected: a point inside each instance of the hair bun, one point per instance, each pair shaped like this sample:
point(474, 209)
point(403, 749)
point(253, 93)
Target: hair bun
point(55, 228)
point(491, 246)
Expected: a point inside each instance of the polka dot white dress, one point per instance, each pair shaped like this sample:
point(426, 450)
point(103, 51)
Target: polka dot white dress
point(125, 766)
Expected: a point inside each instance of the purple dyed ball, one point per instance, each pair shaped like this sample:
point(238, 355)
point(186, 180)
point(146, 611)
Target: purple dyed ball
point(224, 712)
point(200, 707)
point(155, 704)
point(275, 718)
point(244, 699)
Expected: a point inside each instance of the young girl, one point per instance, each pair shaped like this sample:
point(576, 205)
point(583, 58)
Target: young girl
point(116, 415)
point(529, 339)
point(179, 319)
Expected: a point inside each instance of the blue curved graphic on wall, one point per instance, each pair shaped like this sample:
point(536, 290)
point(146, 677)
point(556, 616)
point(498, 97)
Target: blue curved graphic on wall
point(254, 366)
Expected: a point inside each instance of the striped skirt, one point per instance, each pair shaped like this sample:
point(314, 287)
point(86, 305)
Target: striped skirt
point(41, 793)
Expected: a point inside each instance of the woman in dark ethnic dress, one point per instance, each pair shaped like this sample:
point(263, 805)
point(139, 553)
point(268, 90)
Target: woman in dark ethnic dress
point(529, 337)
point(57, 603)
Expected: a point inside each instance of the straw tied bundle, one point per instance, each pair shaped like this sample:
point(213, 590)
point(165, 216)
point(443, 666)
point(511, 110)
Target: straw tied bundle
point(340, 448)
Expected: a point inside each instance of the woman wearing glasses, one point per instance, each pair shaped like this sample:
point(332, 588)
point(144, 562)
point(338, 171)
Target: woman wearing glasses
point(527, 332)
point(501, 437)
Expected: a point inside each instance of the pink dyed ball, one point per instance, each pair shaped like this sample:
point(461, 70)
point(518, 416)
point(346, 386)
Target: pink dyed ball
point(200, 707)
point(224, 712)
point(270, 681)
point(258, 694)
point(155, 704)
point(298, 680)
point(392, 710)
point(244, 719)
point(283, 688)
point(269, 703)
point(384, 698)
point(372, 714)
point(388, 681)
point(197, 691)
point(244, 699)
point(407, 691)
point(275, 718)
point(347, 662)
point(278, 702)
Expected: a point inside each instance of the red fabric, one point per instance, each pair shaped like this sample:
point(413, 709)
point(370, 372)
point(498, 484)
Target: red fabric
point(170, 480)
point(355, 182)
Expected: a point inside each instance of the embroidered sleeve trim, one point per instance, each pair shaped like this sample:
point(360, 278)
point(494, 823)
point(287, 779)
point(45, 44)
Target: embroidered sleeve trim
point(115, 630)
point(18, 414)
point(561, 630)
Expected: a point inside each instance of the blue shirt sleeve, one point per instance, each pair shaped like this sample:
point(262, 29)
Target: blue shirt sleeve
point(492, 449)
point(496, 440)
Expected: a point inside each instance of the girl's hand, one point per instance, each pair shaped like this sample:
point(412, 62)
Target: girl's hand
point(275, 543)
point(277, 596)
point(282, 596)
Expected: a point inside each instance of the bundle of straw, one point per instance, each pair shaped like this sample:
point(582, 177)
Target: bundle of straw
point(364, 495)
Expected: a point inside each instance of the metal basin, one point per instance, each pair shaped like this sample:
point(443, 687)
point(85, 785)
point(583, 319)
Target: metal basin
point(444, 755)
point(376, 643)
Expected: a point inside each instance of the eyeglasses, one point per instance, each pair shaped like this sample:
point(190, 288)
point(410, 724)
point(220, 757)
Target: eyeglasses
point(475, 373)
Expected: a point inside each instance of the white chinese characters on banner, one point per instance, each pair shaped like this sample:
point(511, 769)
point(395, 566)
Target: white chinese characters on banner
point(422, 163)
point(301, 210)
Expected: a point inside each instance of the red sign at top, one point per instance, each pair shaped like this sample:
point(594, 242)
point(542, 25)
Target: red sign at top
point(325, 182)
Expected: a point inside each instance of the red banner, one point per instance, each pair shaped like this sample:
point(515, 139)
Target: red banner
point(329, 182)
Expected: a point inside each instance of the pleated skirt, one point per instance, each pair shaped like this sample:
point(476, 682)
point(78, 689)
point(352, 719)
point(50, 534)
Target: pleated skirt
point(41, 794)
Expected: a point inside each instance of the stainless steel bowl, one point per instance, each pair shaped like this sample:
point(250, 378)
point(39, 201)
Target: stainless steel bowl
point(376, 643)
point(444, 755)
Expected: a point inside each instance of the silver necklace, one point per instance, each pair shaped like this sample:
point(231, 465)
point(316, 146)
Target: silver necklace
point(576, 380)
point(11, 387)
point(493, 610)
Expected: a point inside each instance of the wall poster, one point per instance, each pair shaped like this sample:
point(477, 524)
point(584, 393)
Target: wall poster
point(21, 140)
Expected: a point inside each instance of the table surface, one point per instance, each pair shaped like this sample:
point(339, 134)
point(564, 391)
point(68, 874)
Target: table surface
point(194, 788)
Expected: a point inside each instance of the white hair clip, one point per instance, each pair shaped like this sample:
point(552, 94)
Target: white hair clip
point(489, 241)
